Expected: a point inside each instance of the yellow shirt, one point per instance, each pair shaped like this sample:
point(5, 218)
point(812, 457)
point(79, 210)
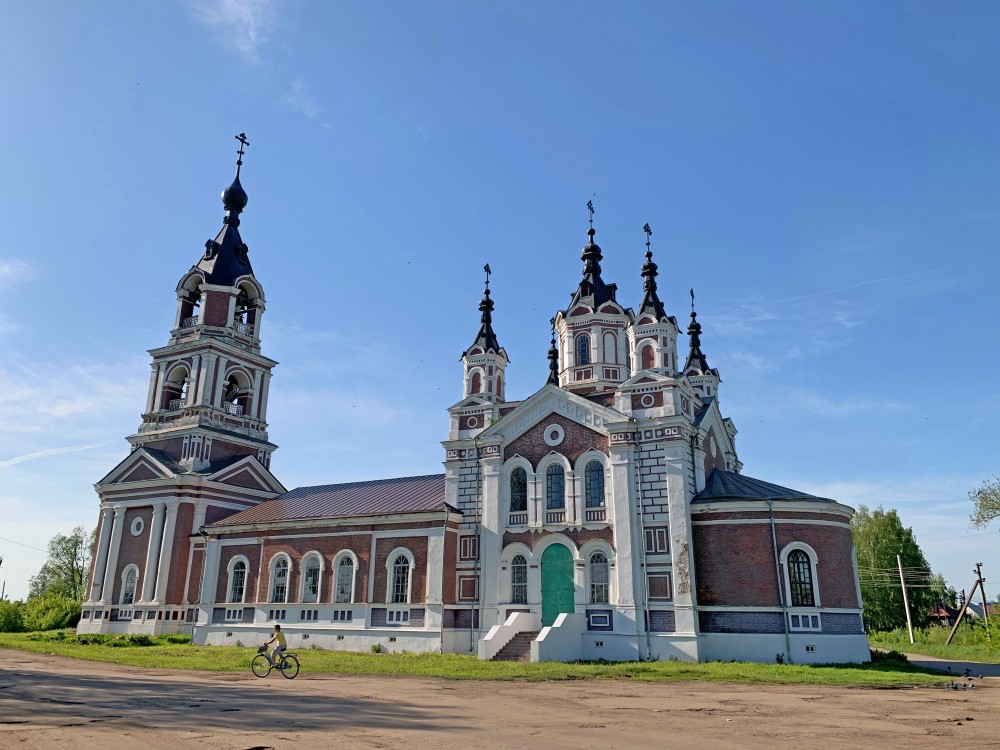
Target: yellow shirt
point(281, 638)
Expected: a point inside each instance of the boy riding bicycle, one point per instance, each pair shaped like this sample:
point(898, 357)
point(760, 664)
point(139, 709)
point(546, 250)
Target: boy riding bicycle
point(279, 639)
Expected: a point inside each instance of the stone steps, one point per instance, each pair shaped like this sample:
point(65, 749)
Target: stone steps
point(518, 649)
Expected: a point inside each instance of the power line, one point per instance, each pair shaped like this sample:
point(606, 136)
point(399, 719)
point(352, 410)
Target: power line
point(22, 544)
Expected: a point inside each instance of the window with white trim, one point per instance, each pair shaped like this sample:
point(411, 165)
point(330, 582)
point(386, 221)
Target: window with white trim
point(555, 487)
point(583, 350)
point(237, 582)
point(593, 480)
point(800, 579)
point(279, 580)
point(310, 579)
point(400, 592)
point(657, 540)
point(345, 581)
point(129, 577)
point(519, 580)
point(468, 547)
point(599, 578)
point(518, 490)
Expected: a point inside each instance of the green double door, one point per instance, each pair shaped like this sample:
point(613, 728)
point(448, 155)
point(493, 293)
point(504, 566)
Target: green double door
point(557, 583)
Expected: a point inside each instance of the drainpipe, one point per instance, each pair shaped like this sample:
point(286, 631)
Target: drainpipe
point(642, 542)
point(777, 580)
point(474, 629)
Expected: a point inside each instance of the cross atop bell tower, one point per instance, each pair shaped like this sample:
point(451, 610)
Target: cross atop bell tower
point(209, 386)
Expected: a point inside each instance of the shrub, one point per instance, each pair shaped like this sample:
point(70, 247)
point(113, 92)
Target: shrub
point(888, 657)
point(178, 638)
point(376, 648)
point(131, 639)
point(51, 612)
point(11, 618)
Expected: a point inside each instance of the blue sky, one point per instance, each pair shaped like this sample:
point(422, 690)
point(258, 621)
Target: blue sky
point(824, 175)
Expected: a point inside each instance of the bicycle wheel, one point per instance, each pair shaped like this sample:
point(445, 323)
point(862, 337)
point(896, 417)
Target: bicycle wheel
point(289, 667)
point(260, 666)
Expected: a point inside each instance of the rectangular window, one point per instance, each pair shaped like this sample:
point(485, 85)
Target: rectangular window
point(398, 616)
point(657, 540)
point(468, 547)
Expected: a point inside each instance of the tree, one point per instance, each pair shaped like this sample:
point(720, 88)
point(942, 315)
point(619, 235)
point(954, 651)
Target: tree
point(11, 618)
point(65, 572)
point(50, 612)
point(985, 502)
point(879, 536)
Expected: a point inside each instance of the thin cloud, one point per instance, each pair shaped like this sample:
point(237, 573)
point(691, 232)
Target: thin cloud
point(14, 269)
point(298, 98)
point(849, 287)
point(46, 453)
point(244, 26)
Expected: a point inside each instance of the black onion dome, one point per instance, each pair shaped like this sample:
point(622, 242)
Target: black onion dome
point(234, 197)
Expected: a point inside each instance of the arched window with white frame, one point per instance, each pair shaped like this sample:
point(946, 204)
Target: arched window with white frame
point(555, 487)
point(312, 570)
point(519, 580)
point(236, 590)
point(799, 562)
point(518, 490)
point(129, 577)
point(344, 569)
point(399, 566)
point(648, 357)
point(278, 588)
point(583, 349)
point(593, 481)
point(599, 578)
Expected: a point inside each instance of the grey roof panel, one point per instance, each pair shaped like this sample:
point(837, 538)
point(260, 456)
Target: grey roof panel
point(377, 497)
point(728, 486)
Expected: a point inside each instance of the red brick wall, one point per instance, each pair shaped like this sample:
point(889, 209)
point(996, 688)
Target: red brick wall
point(252, 553)
point(578, 439)
point(133, 548)
point(418, 574)
point(734, 565)
point(448, 582)
point(296, 549)
point(216, 308)
point(179, 558)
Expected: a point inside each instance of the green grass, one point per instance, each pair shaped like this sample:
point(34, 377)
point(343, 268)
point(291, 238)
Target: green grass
point(165, 655)
point(970, 642)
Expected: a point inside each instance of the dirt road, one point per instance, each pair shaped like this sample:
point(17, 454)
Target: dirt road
point(50, 702)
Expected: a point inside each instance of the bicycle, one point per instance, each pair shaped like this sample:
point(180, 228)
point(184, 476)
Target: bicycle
point(261, 665)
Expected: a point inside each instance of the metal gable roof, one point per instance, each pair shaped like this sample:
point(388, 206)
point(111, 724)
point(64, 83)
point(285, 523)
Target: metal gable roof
point(377, 497)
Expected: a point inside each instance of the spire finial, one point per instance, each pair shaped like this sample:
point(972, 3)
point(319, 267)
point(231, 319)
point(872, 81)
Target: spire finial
point(486, 268)
point(692, 302)
point(649, 233)
point(553, 356)
point(590, 208)
point(242, 138)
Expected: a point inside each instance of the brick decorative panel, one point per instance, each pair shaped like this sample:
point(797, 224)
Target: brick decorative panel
point(660, 588)
point(741, 622)
point(248, 614)
point(416, 618)
point(460, 618)
point(378, 617)
point(218, 615)
point(661, 621)
point(841, 623)
point(578, 439)
point(467, 588)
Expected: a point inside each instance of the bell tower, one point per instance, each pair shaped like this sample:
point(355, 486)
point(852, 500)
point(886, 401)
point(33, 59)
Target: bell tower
point(208, 388)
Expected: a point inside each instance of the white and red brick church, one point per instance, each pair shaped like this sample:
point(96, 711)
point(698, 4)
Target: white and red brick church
point(604, 516)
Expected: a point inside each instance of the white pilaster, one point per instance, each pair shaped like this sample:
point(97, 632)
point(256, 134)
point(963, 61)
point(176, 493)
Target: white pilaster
point(490, 538)
point(152, 554)
point(210, 577)
point(435, 566)
point(151, 396)
point(101, 563)
point(192, 390)
point(681, 541)
point(107, 592)
point(166, 553)
point(265, 390)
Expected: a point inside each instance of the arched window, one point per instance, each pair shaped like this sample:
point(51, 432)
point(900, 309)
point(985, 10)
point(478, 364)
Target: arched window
point(800, 579)
point(279, 580)
point(583, 350)
point(400, 580)
point(175, 389)
point(499, 387)
point(555, 487)
point(593, 480)
point(599, 576)
point(128, 586)
point(648, 358)
point(518, 490)
point(310, 579)
point(236, 395)
point(344, 593)
point(477, 383)
point(519, 580)
point(237, 582)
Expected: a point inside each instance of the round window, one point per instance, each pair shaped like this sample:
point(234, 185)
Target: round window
point(137, 527)
point(473, 422)
point(554, 435)
point(647, 399)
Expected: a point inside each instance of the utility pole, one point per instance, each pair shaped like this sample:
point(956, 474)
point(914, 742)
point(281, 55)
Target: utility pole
point(906, 601)
point(982, 590)
point(3, 587)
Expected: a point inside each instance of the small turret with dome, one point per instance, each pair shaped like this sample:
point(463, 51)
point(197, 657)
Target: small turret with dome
point(485, 360)
point(653, 336)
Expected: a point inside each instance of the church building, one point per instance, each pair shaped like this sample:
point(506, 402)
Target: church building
point(604, 516)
